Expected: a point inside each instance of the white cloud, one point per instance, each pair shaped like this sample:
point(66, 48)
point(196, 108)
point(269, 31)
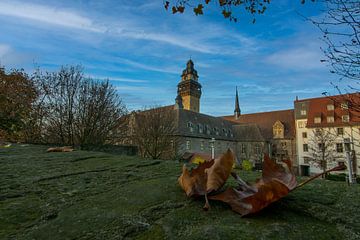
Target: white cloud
point(4, 50)
point(297, 59)
point(48, 15)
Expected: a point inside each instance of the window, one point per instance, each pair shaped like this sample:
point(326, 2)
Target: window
point(202, 145)
point(188, 145)
point(208, 130)
point(345, 118)
point(257, 149)
point(243, 148)
point(330, 119)
point(200, 127)
point(224, 132)
point(172, 143)
point(216, 131)
point(321, 146)
point(303, 112)
point(340, 131)
point(306, 160)
point(283, 144)
point(305, 148)
point(339, 148)
point(301, 124)
point(304, 134)
point(190, 126)
point(317, 120)
point(344, 105)
point(330, 107)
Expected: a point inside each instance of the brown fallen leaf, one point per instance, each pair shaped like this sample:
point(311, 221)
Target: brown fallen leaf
point(194, 182)
point(276, 182)
point(209, 176)
point(220, 171)
point(60, 149)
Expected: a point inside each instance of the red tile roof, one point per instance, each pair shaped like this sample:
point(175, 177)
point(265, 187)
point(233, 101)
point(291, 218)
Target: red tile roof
point(318, 107)
point(266, 120)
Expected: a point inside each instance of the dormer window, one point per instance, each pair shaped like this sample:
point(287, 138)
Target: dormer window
point(344, 105)
point(190, 126)
point(317, 120)
point(345, 118)
point(278, 130)
point(330, 119)
point(216, 130)
point(200, 128)
point(208, 130)
point(330, 107)
point(224, 132)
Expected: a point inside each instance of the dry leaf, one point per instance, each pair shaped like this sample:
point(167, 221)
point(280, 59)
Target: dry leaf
point(276, 182)
point(220, 171)
point(210, 175)
point(194, 182)
point(60, 149)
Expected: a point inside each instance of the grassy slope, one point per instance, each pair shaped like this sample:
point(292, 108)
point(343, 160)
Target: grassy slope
point(92, 195)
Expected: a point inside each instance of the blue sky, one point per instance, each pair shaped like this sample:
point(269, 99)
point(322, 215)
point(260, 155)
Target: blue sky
point(142, 49)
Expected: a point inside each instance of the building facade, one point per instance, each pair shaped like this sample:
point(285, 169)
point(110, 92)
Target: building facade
point(329, 125)
point(286, 134)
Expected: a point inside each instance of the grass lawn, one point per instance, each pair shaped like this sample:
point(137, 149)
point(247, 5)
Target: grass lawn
point(95, 195)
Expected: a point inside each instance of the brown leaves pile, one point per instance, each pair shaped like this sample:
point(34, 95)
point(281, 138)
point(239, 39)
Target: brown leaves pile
point(207, 179)
point(60, 149)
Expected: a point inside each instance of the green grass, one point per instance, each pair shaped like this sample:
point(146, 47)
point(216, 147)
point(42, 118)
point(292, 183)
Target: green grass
point(93, 195)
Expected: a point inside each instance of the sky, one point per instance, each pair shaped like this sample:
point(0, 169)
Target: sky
point(142, 50)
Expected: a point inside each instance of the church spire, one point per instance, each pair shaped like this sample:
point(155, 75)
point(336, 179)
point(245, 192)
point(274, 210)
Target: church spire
point(237, 111)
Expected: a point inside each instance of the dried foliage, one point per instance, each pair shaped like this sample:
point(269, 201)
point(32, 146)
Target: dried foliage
point(276, 182)
point(207, 179)
point(226, 7)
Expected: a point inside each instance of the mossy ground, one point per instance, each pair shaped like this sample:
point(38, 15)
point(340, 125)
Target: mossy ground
point(95, 195)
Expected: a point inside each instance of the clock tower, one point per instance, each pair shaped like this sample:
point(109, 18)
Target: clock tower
point(189, 88)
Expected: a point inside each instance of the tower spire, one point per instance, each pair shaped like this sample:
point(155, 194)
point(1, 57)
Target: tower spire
point(237, 111)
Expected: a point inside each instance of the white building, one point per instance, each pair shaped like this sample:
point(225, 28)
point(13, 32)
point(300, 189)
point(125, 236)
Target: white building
point(322, 126)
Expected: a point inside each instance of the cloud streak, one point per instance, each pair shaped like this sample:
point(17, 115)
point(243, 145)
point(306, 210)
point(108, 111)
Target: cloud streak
point(48, 15)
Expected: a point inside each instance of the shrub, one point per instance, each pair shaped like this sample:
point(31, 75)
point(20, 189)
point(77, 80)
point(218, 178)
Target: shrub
point(246, 165)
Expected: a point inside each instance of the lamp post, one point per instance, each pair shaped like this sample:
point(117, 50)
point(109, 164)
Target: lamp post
point(348, 158)
point(212, 146)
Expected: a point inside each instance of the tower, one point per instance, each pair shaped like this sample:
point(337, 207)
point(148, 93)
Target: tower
point(237, 111)
point(189, 88)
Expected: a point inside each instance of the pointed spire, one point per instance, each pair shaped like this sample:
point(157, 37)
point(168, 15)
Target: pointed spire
point(237, 111)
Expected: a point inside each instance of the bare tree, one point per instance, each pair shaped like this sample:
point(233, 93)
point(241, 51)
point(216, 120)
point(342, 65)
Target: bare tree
point(321, 148)
point(154, 132)
point(74, 110)
point(341, 33)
